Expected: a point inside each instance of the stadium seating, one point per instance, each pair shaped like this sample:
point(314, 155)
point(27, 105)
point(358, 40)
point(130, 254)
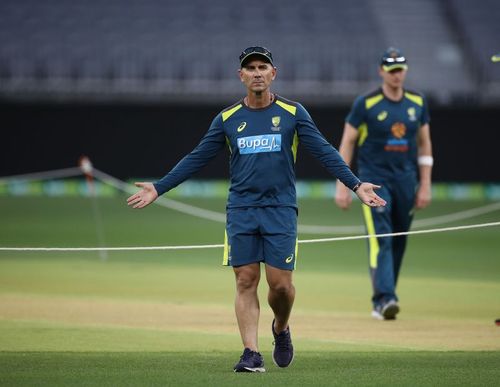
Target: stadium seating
point(479, 29)
point(166, 48)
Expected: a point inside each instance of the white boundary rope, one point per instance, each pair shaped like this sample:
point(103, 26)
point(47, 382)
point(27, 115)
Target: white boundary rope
point(320, 240)
point(162, 201)
point(55, 174)
point(419, 223)
point(461, 215)
point(221, 217)
point(429, 231)
point(302, 228)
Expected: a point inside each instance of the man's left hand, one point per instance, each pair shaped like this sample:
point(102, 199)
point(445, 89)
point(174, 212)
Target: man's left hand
point(424, 196)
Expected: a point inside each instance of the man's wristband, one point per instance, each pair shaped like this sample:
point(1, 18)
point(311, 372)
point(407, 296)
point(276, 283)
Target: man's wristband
point(425, 161)
point(355, 188)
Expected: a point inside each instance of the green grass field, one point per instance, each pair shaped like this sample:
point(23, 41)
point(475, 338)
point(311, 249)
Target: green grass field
point(166, 317)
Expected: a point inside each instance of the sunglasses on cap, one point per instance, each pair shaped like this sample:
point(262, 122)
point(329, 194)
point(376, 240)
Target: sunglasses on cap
point(399, 59)
point(256, 50)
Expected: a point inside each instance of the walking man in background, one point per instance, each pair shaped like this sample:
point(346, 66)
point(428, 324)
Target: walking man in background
point(390, 127)
point(262, 131)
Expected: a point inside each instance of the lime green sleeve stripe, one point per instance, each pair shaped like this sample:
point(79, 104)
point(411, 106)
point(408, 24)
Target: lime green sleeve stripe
point(363, 133)
point(295, 146)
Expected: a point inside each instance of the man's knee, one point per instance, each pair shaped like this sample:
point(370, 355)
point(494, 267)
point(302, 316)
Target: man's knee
point(279, 281)
point(247, 278)
point(283, 287)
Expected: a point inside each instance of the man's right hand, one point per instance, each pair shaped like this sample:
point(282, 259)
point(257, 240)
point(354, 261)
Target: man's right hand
point(144, 197)
point(343, 197)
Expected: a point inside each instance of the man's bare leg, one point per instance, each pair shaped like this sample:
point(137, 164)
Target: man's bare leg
point(247, 304)
point(281, 296)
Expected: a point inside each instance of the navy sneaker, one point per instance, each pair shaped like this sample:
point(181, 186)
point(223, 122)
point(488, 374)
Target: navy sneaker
point(250, 361)
point(387, 311)
point(283, 348)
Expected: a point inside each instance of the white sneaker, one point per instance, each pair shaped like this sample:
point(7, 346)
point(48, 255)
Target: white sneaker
point(377, 315)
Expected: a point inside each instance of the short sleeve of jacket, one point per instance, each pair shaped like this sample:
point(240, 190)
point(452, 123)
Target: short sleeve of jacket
point(357, 114)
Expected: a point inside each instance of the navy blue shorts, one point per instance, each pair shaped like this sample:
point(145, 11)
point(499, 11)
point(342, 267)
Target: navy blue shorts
point(261, 234)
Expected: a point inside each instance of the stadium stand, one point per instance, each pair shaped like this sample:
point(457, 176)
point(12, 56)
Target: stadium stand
point(479, 29)
point(187, 50)
point(422, 30)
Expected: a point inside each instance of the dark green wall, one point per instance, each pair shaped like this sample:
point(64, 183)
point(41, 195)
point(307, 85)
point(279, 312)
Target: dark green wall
point(146, 140)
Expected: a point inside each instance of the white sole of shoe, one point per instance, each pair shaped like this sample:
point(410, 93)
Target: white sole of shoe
point(376, 315)
point(277, 365)
point(248, 369)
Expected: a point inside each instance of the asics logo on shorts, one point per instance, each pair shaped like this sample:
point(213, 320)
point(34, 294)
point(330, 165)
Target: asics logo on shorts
point(259, 144)
point(289, 259)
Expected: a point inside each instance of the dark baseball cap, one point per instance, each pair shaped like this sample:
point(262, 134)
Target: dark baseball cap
point(262, 52)
point(393, 59)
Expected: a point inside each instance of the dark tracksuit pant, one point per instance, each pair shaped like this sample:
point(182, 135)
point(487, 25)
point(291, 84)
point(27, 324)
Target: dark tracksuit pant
point(386, 254)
